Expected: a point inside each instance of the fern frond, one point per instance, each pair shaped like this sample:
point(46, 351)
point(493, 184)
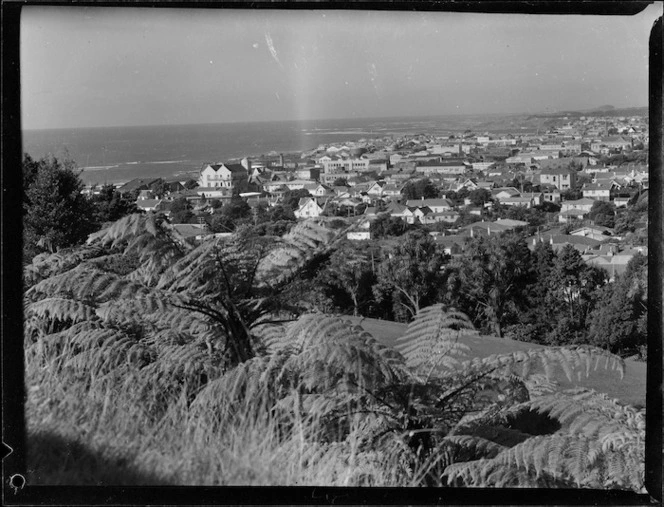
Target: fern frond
point(86, 284)
point(307, 239)
point(572, 359)
point(432, 339)
point(46, 265)
point(150, 236)
point(60, 309)
point(470, 448)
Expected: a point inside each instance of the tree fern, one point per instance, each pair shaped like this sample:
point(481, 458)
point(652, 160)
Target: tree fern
point(329, 362)
point(432, 339)
point(46, 265)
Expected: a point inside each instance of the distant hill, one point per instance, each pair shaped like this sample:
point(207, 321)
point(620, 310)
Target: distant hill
point(603, 109)
point(606, 110)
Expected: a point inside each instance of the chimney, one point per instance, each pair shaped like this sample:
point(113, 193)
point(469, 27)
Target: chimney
point(281, 159)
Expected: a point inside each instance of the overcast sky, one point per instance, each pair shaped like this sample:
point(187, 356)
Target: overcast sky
point(83, 67)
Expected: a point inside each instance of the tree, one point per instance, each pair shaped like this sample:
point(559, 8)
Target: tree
point(572, 289)
point(536, 316)
point(527, 186)
point(181, 211)
point(281, 212)
point(55, 213)
point(350, 270)
point(549, 207)
point(627, 220)
point(190, 184)
point(617, 322)
point(292, 198)
point(479, 196)
point(217, 292)
point(110, 205)
point(603, 213)
point(419, 189)
point(215, 204)
point(384, 226)
point(340, 182)
point(160, 188)
point(236, 210)
point(180, 204)
point(533, 216)
point(184, 217)
point(573, 194)
point(411, 274)
point(490, 280)
point(467, 218)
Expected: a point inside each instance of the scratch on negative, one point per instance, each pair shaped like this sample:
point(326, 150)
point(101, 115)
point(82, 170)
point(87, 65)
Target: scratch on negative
point(270, 46)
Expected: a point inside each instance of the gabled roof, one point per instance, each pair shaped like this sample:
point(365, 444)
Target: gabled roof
point(487, 226)
point(136, 184)
point(147, 203)
point(598, 228)
point(511, 223)
point(511, 190)
point(393, 187)
point(424, 210)
point(233, 168)
point(555, 171)
point(428, 202)
point(573, 212)
point(580, 202)
point(396, 208)
point(441, 164)
point(600, 185)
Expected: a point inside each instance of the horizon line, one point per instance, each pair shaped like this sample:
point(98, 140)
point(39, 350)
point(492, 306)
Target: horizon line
point(522, 113)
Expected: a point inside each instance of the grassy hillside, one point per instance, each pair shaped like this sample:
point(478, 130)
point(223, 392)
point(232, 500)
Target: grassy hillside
point(631, 389)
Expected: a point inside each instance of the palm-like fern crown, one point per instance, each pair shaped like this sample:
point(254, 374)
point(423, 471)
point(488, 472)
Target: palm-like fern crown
point(432, 340)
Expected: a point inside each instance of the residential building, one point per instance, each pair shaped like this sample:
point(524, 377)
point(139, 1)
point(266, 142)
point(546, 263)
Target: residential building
point(337, 165)
point(600, 191)
point(435, 205)
point(584, 204)
point(561, 178)
point(308, 208)
point(233, 176)
point(593, 231)
point(450, 168)
point(137, 184)
point(559, 241)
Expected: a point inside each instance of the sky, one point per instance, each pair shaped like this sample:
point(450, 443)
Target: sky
point(105, 66)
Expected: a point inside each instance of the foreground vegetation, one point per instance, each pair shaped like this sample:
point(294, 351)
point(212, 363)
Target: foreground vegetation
point(172, 363)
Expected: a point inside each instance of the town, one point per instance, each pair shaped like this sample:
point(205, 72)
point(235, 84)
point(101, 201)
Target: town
point(578, 183)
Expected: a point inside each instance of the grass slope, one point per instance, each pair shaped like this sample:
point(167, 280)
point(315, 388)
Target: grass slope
point(631, 389)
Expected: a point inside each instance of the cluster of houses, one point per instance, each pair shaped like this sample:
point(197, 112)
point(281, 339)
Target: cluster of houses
point(365, 187)
point(366, 178)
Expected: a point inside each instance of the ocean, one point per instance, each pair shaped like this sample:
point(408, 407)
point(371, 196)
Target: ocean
point(119, 154)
